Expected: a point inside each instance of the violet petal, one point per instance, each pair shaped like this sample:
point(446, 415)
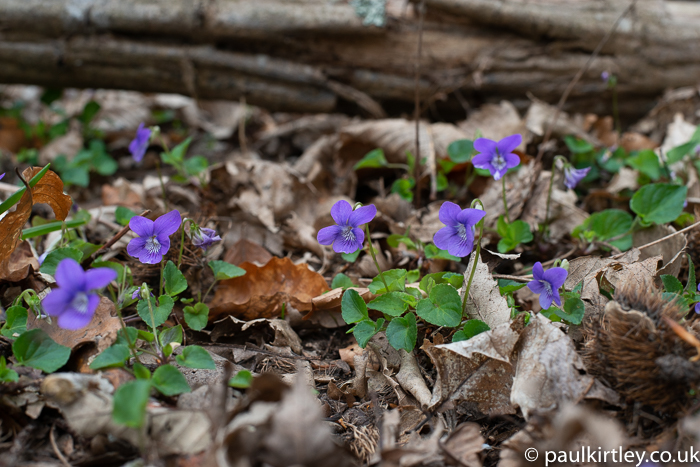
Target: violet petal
point(341, 212)
point(99, 277)
point(69, 275)
point(448, 213)
point(470, 217)
point(56, 301)
point(556, 277)
point(136, 246)
point(362, 215)
point(485, 145)
point(141, 226)
point(442, 237)
point(168, 223)
point(509, 143)
point(327, 235)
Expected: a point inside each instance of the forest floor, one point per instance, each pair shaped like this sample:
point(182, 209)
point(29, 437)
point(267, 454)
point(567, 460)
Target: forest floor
point(427, 377)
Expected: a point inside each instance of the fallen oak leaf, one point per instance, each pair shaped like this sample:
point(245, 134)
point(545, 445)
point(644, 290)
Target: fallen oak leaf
point(262, 291)
point(49, 190)
point(11, 229)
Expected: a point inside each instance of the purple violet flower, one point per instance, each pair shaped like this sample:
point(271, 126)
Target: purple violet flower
point(458, 237)
point(139, 144)
point(74, 301)
point(346, 237)
point(547, 284)
point(697, 305)
point(573, 176)
point(497, 157)
point(605, 76)
point(2, 175)
point(153, 239)
point(204, 238)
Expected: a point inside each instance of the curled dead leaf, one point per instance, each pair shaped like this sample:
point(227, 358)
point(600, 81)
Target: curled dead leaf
point(49, 190)
point(262, 291)
point(19, 265)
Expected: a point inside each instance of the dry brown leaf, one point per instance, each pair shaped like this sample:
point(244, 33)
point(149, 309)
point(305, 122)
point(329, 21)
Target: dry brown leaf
point(20, 263)
point(564, 216)
point(534, 368)
point(414, 450)
point(477, 370)
point(596, 272)
point(540, 115)
point(11, 229)
point(410, 378)
point(495, 121)
point(626, 178)
point(632, 141)
point(86, 403)
point(12, 137)
point(485, 300)
point(123, 193)
point(464, 444)
point(671, 249)
point(102, 330)
point(49, 190)
point(246, 251)
point(262, 291)
point(348, 353)
point(68, 145)
point(549, 372)
point(276, 331)
point(331, 300)
point(569, 429)
point(281, 427)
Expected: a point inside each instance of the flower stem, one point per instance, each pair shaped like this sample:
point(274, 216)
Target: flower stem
point(132, 345)
point(477, 252)
point(551, 184)
point(208, 290)
point(153, 324)
point(505, 203)
point(374, 258)
point(182, 240)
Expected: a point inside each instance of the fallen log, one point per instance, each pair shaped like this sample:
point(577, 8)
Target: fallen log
point(321, 57)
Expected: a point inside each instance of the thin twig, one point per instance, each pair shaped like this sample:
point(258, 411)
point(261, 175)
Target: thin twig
point(416, 112)
point(578, 76)
point(57, 451)
point(662, 239)
point(512, 278)
point(567, 91)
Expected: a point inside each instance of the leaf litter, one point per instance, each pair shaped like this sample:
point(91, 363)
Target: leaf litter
point(620, 376)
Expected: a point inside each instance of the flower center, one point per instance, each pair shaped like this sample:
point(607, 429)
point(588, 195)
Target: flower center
point(462, 231)
point(547, 287)
point(80, 302)
point(152, 244)
point(498, 161)
point(347, 234)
